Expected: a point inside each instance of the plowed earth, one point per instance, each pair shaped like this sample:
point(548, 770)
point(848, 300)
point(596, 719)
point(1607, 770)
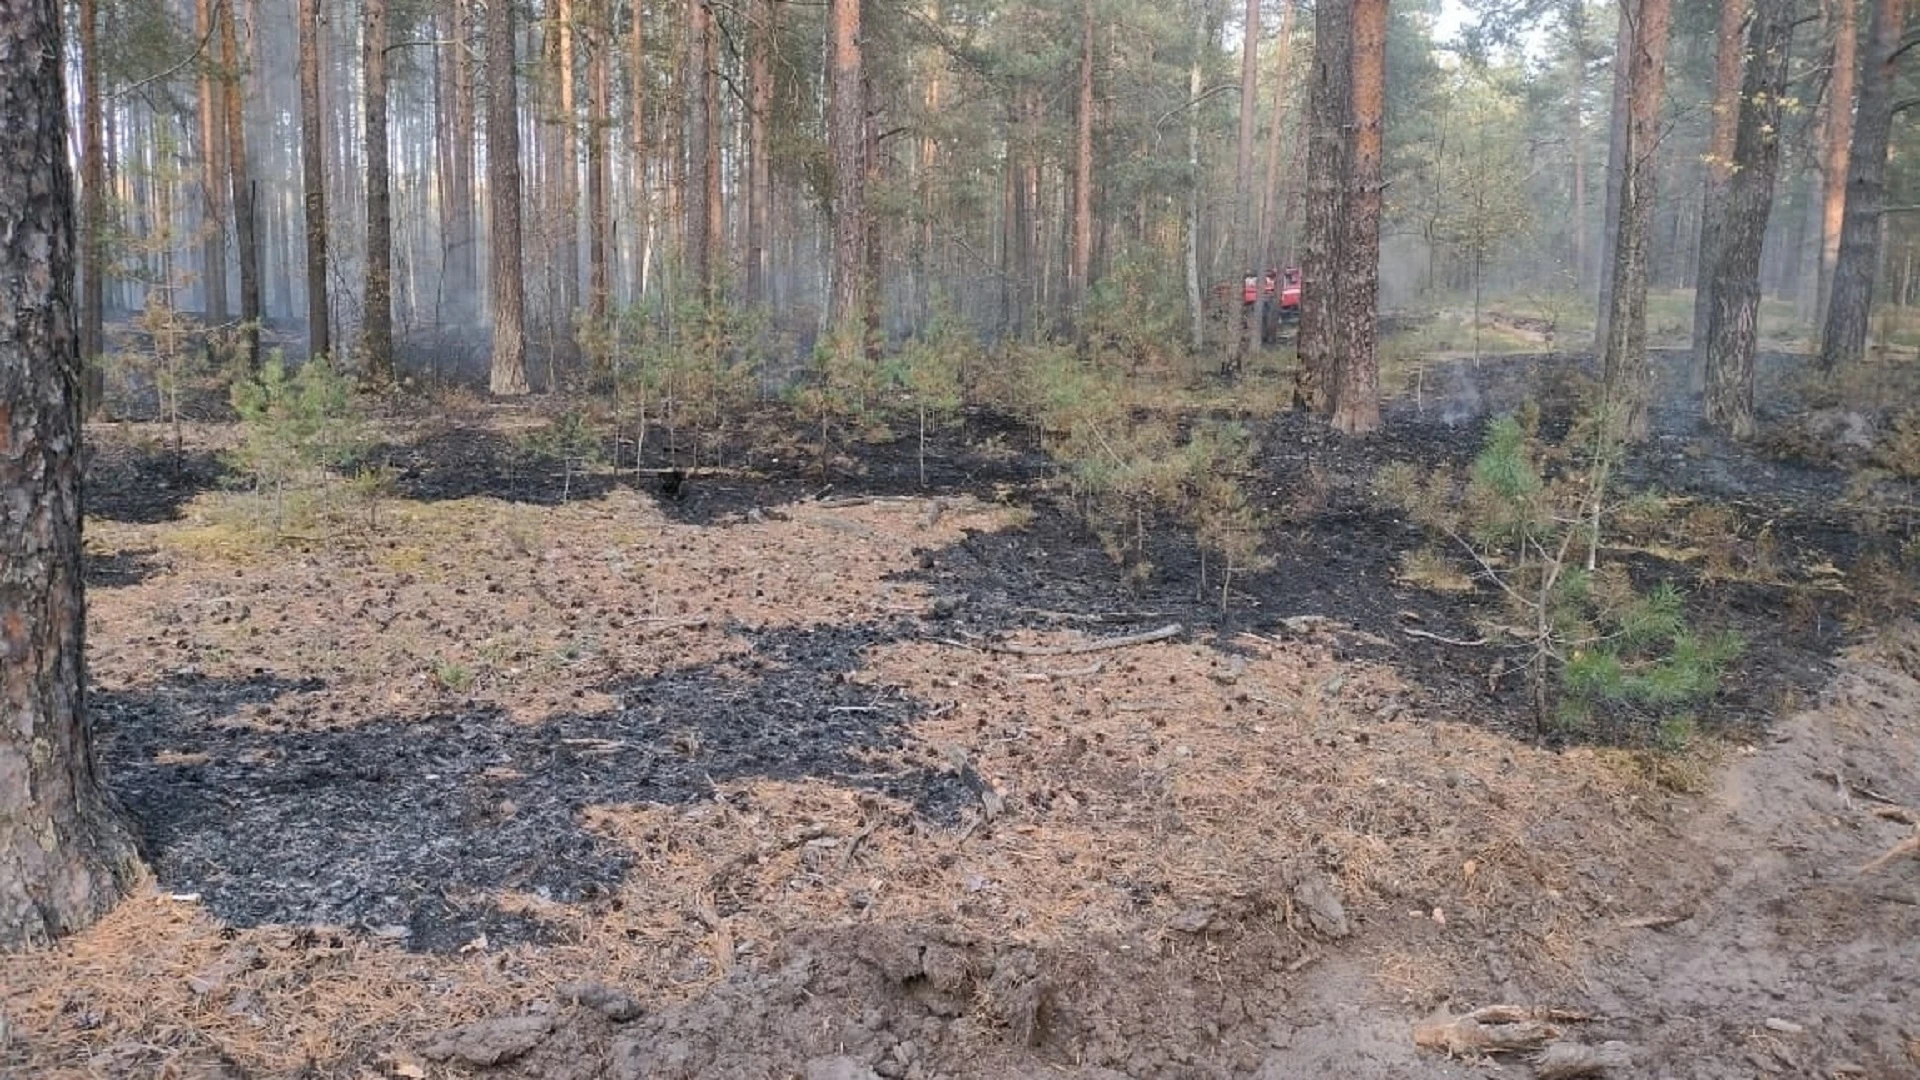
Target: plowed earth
point(804, 768)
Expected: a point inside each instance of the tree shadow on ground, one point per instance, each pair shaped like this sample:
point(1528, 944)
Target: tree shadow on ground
point(146, 484)
point(120, 569)
point(419, 823)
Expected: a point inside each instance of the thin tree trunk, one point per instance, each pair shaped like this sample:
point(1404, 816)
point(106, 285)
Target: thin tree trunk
point(760, 31)
point(846, 137)
point(599, 175)
point(1735, 287)
point(1270, 194)
point(1626, 374)
point(567, 191)
point(1196, 300)
point(1836, 141)
point(1617, 123)
point(376, 335)
point(698, 256)
point(1356, 391)
point(716, 207)
point(1850, 302)
point(1246, 220)
point(93, 211)
point(213, 177)
point(1719, 173)
point(1330, 109)
point(245, 216)
point(508, 288)
point(65, 855)
point(313, 151)
point(637, 139)
point(459, 254)
point(1080, 267)
point(1576, 22)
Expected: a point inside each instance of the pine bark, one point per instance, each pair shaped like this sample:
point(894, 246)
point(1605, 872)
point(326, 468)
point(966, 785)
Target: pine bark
point(1719, 172)
point(1850, 302)
point(1356, 391)
point(376, 330)
point(760, 31)
point(1836, 140)
point(1626, 374)
point(65, 855)
point(245, 215)
point(507, 286)
point(1330, 111)
point(846, 139)
point(313, 165)
point(213, 176)
point(1735, 287)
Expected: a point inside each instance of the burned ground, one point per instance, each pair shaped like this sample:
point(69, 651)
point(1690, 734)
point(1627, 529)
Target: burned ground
point(757, 752)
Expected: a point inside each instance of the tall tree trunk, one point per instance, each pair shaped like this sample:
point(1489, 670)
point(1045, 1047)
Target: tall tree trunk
point(1196, 71)
point(1270, 193)
point(1626, 374)
point(698, 255)
point(213, 176)
point(376, 334)
point(760, 31)
point(1735, 286)
point(1836, 140)
point(507, 286)
point(599, 176)
point(567, 191)
point(1329, 112)
point(1727, 112)
point(638, 148)
point(1246, 221)
point(93, 211)
point(313, 162)
point(847, 144)
point(245, 217)
point(1356, 390)
point(1850, 300)
point(716, 207)
point(1576, 23)
point(1617, 123)
point(460, 271)
point(65, 856)
point(1080, 265)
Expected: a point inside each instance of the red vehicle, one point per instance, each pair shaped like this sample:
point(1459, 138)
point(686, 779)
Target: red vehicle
point(1280, 291)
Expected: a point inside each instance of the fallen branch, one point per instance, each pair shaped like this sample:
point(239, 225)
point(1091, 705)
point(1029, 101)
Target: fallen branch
point(1104, 618)
point(1427, 635)
point(1124, 641)
point(1495, 1029)
point(1090, 670)
point(1571, 1061)
point(1653, 922)
point(1909, 846)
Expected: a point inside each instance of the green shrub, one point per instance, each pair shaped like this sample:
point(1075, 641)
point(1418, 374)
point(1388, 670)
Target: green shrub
point(302, 434)
point(1529, 518)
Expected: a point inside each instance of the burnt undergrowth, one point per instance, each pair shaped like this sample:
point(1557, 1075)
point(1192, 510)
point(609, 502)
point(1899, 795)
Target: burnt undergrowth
point(418, 823)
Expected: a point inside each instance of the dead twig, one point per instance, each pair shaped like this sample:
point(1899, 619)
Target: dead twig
point(1079, 648)
point(1653, 922)
point(1909, 846)
point(1494, 1029)
point(1428, 635)
point(1089, 671)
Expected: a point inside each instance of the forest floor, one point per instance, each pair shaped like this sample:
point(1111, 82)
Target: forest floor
point(794, 766)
